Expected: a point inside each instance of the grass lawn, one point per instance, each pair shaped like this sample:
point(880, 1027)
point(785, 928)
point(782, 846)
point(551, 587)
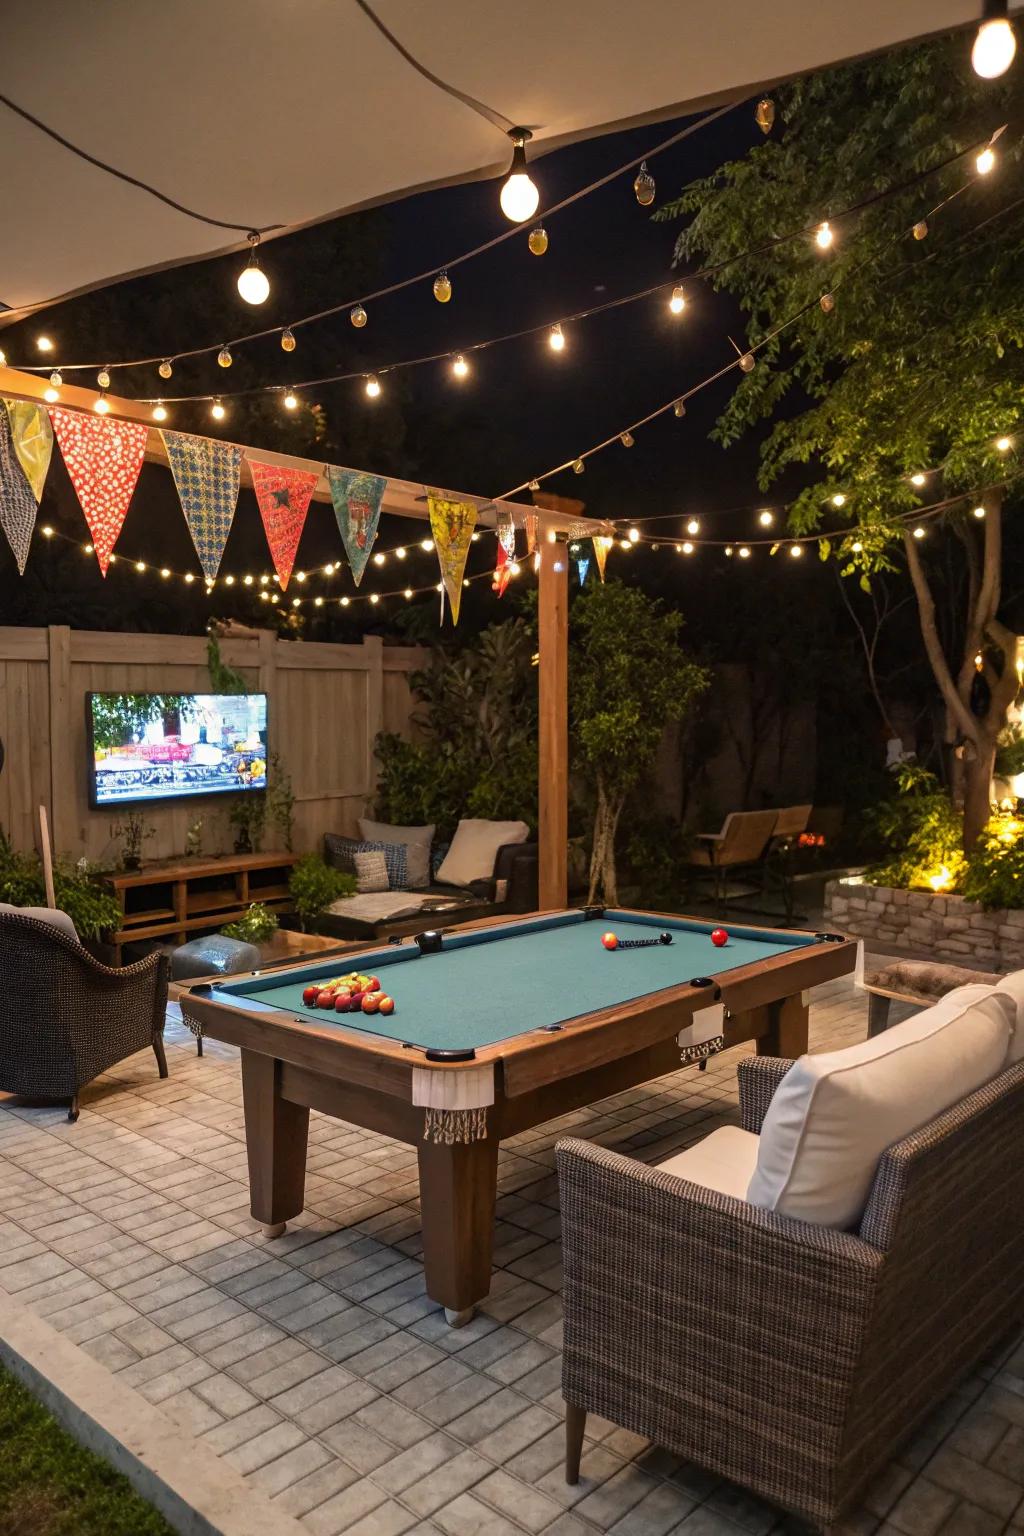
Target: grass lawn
point(50, 1486)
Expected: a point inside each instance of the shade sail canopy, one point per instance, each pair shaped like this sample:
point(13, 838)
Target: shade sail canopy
point(287, 112)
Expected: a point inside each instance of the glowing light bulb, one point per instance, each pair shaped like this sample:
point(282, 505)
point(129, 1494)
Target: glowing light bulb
point(379, 558)
point(680, 408)
point(766, 518)
point(264, 580)
point(764, 114)
point(693, 527)
point(1004, 444)
point(556, 338)
point(979, 512)
point(442, 287)
point(374, 597)
point(159, 412)
point(994, 45)
point(633, 535)
point(296, 602)
point(46, 531)
point(253, 283)
point(229, 581)
point(166, 368)
point(344, 601)
point(746, 362)
point(44, 344)
point(643, 186)
point(426, 545)
point(86, 549)
point(357, 315)
point(287, 341)
point(56, 379)
point(827, 303)
point(823, 235)
point(985, 161)
point(796, 550)
point(224, 358)
point(50, 394)
point(3, 358)
point(101, 406)
point(400, 552)
point(839, 500)
point(687, 548)
point(290, 401)
point(627, 439)
point(318, 602)
point(373, 386)
point(677, 303)
point(857, 546)
point(246, 581)
point(140, 566)
point(729, 550)
point(514, 568)
point(217, 411)
point(300, 576)
point(189, 578)
point(578, 466)
point(917, 479)
point(918, 532)
point(408, 592)
point(920, 230)
point(538, 240)
point(460, 367)
point(744, 552)
point(519, 196)
point(103, 379)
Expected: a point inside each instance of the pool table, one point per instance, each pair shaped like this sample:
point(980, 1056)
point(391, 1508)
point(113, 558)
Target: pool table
point(497, 1027)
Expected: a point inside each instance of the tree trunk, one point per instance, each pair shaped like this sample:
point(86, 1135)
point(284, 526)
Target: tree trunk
point(978, 770)
point(603, 877)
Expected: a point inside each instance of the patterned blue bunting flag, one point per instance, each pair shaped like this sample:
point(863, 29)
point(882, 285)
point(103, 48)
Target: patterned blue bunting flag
point(206, 474)
point(579, 551)
point(17, 503)
point(357, 498)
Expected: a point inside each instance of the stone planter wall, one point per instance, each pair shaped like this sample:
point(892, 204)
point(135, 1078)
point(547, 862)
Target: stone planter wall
point(947, 927)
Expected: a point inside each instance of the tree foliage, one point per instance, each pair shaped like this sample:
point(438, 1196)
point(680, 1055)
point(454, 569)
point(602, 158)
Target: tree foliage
point(920, 362)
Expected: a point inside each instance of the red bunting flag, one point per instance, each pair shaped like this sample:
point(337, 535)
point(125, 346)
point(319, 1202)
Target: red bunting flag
point(283, 496)
point(103, 460)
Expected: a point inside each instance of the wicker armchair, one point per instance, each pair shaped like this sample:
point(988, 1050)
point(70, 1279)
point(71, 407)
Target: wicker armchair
point(787, 1357)
point(65, 1017)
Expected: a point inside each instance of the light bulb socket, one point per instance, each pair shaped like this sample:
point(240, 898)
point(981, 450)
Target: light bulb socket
point(995, 10)
point(520, 138)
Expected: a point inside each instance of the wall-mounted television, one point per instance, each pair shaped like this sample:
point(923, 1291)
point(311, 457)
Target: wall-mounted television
point(145, 747)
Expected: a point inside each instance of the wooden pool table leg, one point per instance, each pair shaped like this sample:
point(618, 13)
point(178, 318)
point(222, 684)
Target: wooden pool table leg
point(275, 1139)
point(458, 1188)
point(787, 1028)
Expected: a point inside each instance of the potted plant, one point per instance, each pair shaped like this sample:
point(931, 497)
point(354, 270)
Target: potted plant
point(133, 833)
point(314, 885)
point(257, 926)
point(247, 815)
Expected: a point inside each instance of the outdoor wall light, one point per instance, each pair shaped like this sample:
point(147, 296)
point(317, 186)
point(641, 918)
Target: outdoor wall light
point(995, 43)
point(519, 196)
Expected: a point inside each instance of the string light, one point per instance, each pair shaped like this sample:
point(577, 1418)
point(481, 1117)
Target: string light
point(407, 593)
point(920, 230)
point(729, 550)
point(538, 240)
point(917, 479)
point(159, 412)
point(578, 466)
point(373, 386)
point(189, 578)
point(166, 368)
point(217, 410)
point(1004, 444)
point(766, 518)
point(744, 552)
point(979, 512)
point(426, 545)
point(693, 527)
point(290, 401)
point(264, 580)
point(633, 535)
point(827, 303)
point(995, 43)
point(919, 532)
point(379, 558)
point(344, 602)
point(764, 114)
point(46, 531)
point(357, 315)
point(229, 581)
point(140, 565)
point(839, 500)
point(44, 343)
point(253, 283)
point(627, 439)
point(287, 340)
point(747, 362)
point(687, 548)
point(103, 379)
point(823, 235)
point(400, 552)
point(556, 338)
point(50, 394)
point(101, 406)
point(374, 597)
point(224, 358)
point(87, 549)
point(643, 186)
point(460, 367)
point(677, 303)
point(300, 576)
point(985, 161)
point(247, 581)
point(519, 196)
point(796, 550)
point(680, 408)
point(442, 287)
point(55, 378)
point(318, 602)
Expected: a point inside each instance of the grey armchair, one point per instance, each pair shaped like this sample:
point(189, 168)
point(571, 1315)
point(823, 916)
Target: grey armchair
point(788, 1357)
point(65, 1017)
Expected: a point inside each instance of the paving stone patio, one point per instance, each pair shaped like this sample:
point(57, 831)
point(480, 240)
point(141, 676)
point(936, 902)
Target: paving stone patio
point(317, 1366)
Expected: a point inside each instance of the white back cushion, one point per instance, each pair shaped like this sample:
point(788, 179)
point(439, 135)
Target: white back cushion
point(474, 847)
point(834, 1115)
point(1013, 987)
point(52, 915)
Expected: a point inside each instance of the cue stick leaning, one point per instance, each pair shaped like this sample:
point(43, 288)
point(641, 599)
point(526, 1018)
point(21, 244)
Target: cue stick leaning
point(44, 838)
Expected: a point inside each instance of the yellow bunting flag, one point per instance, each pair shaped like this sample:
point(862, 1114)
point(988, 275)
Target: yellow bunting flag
point(602, 544)
point(530, 522)
point(452, 524)
point(33, 441)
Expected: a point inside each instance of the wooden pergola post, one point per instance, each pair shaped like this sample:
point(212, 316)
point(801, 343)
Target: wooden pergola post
point(553, 707)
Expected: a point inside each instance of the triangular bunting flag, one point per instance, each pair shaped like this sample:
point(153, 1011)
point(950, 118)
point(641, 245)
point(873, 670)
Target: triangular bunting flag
point(33, 441)
point(530, 523)
point(506, 531)
point(502, 572)
point(17, 503)
point(357, 498)
point(206, 474)
point(580, 552)
point(602, 544)
point(451, 523)
point(283, 496)
point(103, 460)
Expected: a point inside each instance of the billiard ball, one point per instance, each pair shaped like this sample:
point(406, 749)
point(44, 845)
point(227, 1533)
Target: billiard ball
point(610, 940)
point(325, 999)
point(309, 994)
point(371, 1002)
point(386, 1004)
point(719, 937)
point(665, 938)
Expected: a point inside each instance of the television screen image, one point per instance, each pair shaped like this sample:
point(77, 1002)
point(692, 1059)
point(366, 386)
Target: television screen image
point(164, 746)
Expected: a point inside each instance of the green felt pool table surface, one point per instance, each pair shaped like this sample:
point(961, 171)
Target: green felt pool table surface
point(492, 984)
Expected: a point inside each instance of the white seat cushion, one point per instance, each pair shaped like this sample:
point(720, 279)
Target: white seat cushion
point(834, 1115)
point(474, 848)
point(1012, 986)
point(724, 1161)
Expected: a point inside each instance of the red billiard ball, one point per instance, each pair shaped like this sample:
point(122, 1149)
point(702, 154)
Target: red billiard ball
point(719, 937)
point(310, 994)
point(325, 999)
point(386, 1005)
point(610, 940)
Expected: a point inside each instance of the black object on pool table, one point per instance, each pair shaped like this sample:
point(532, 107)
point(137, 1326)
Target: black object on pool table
point(612, 941)
point(431, 942)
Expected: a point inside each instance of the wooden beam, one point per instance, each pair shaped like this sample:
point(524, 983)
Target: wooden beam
point(553, 726)
point(402, 498)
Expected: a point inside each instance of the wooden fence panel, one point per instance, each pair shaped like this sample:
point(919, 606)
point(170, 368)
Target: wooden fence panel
point(326, 703)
